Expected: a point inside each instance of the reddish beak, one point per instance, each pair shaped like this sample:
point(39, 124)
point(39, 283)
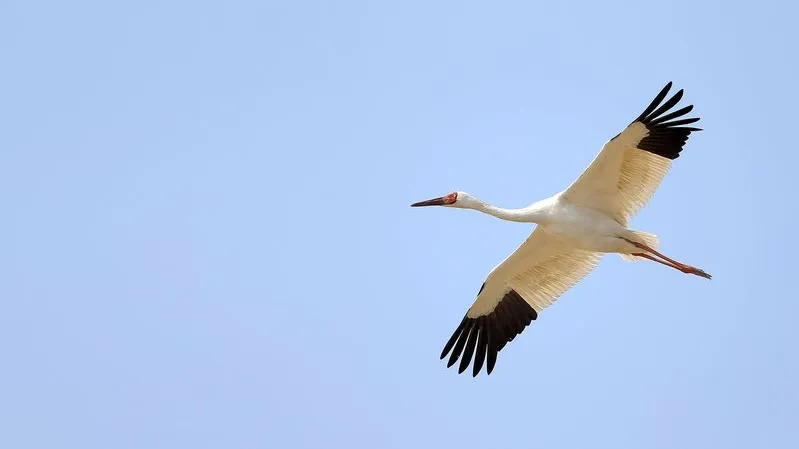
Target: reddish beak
point(441, 201)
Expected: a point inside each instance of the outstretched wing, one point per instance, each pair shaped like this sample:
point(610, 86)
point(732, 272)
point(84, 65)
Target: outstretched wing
point(625, 174)
point(528, 281)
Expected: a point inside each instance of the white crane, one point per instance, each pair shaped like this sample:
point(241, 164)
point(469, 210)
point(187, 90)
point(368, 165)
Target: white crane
point(574, 229)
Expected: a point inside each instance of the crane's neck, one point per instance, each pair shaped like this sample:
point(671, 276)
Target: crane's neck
point(532, 214)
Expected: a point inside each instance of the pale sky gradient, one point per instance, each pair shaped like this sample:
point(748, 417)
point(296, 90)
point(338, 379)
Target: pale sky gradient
point(207, 239)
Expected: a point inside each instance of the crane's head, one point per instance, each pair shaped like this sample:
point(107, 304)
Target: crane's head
point(454, 199)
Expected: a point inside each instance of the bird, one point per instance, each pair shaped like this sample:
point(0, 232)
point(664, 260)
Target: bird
point(574, 229)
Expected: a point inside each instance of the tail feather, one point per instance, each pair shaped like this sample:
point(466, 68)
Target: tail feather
point(648, 239)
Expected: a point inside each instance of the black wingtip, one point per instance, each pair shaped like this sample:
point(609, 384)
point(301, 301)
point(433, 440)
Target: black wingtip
point(666, 135)
point(482, 345)
point(464, 335)
point(655, 102)
point(468, 353)
point(455, 335)
point(478, 340)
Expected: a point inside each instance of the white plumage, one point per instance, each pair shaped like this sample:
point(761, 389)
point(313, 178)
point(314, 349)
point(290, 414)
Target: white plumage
point(575, 228)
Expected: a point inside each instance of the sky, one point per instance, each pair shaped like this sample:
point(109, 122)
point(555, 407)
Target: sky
point(206, 238)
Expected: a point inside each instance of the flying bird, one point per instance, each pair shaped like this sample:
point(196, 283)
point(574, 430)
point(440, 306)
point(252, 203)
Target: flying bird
point(574, 229)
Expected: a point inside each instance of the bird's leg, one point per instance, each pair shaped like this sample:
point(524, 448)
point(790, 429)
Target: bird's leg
point(668, 261)
point(678, 266)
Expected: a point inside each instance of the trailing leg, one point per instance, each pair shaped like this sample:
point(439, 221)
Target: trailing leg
point(666, 260)
point(684, 268)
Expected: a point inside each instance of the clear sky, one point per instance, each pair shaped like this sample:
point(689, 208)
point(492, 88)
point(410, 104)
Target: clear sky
point(207, 241)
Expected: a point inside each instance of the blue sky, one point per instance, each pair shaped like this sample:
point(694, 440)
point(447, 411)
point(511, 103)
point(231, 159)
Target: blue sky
point(207, 239)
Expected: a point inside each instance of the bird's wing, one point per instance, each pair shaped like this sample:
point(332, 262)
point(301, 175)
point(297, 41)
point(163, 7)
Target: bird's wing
point(625, 174)
point(529, 280)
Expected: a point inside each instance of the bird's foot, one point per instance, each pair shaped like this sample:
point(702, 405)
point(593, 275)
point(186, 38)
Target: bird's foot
point(696, 271)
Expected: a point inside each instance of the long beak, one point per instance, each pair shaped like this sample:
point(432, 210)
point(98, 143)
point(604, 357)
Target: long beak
point(440, 201)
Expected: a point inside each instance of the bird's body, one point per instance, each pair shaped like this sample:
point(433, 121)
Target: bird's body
point(575, 228)
point(583, 228)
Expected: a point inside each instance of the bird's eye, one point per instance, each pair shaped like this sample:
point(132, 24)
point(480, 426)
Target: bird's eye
point(451, 198)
